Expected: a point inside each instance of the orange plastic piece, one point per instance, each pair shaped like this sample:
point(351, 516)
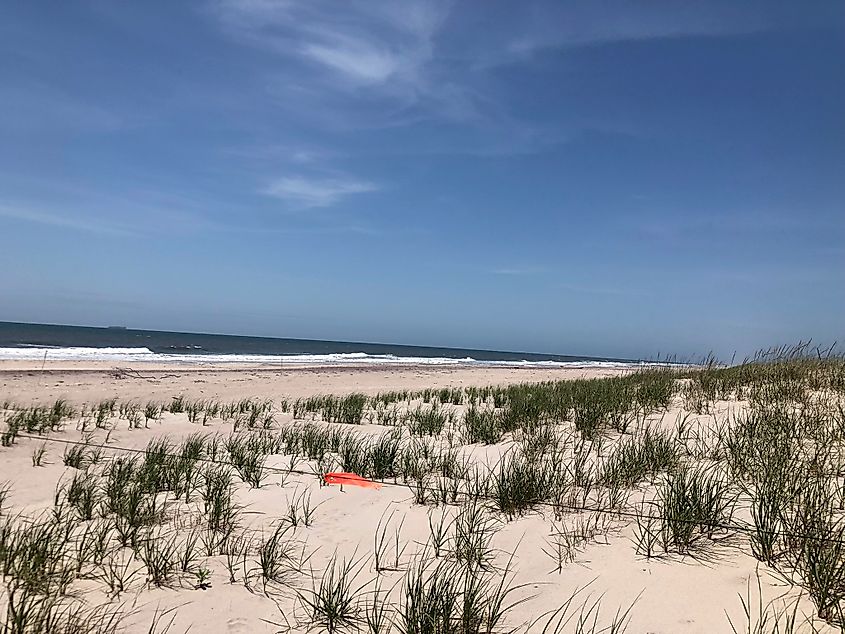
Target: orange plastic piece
point(353, 479)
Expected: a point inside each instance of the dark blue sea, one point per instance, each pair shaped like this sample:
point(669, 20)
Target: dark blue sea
point(40, 341)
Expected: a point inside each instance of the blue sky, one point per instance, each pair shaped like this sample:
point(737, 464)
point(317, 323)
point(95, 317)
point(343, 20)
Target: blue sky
point(609, 178)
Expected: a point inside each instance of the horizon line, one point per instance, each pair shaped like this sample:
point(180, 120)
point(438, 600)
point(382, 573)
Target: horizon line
point(117, 327)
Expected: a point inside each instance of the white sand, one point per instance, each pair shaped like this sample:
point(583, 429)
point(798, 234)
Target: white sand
point(675, 594)
point(26, 381)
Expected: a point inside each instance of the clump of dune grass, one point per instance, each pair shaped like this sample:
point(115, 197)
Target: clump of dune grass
point(38, 454)
point(279, 556)
point(694, 504)
point(91, 546)
point(429, 421)
point(80, 456)
point(332, 409)
point(221, 512)
point(453, 598)
point(816, 549)
point(472, 533)
point(119, 476)
point(36, 555)
point(36, 420)
point(82, 493)
point(377, 611)
point(248, 462)
point(132, 505)
point(103, 411)
point(160, 554)
point(539, 439)
point(188, 552)
point(299, 509)
point(152, 412)
point(177, 405)
point(439, 532)
point(236, 550)
point(481, 426)
point(28, 612)
point(132, 413)
point(640, 457)
point(117, 571)
point(383, 453)
point(332, 604)
point(519, 483)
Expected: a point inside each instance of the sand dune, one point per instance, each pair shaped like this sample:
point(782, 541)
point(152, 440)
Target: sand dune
point(545, 553)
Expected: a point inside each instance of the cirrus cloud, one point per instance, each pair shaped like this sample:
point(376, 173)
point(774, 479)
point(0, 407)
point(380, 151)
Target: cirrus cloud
point(317, 192)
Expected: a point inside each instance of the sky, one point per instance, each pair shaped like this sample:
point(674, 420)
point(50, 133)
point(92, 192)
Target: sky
point(609, 178)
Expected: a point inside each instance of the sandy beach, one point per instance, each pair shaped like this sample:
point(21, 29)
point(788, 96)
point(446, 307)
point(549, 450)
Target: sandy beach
point(81, 381)
point(588, 558)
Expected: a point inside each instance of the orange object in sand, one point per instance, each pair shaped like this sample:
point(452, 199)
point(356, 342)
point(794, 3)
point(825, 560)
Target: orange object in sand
point(353, 479)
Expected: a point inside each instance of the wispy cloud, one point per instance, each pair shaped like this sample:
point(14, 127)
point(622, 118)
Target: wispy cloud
point(521, 30)
point(355, 59)
point(361, 43)
point(367, 64)
point(317, 192)
point(379, 64)
point(587, 23)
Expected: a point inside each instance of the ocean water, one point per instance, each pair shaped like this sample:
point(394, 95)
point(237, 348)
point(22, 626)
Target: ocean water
point(39, 341)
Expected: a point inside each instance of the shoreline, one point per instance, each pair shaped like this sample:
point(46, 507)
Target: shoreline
point(83, 365)
point(87, 381)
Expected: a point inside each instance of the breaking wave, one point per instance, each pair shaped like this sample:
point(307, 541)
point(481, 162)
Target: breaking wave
point(145, 355)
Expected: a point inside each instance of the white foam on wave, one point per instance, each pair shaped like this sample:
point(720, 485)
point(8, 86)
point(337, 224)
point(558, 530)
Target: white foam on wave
point(145, 355)
point(31, 353)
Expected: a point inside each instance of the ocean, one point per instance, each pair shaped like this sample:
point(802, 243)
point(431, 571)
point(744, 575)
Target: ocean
point(39, 341)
